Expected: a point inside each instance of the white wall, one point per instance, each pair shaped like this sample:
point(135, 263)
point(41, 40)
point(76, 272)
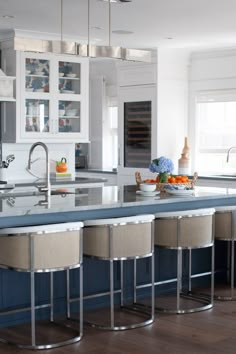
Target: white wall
point(172, 102)
point(103, 82)
point(96, 103)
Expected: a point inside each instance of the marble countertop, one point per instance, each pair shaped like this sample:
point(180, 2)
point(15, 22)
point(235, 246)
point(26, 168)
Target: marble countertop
point(79, 200)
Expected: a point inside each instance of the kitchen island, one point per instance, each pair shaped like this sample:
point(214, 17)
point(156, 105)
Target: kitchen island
point(21, 206)
point(75, 203)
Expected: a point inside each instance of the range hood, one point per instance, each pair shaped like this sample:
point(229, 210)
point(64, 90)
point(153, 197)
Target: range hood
point(6, 87)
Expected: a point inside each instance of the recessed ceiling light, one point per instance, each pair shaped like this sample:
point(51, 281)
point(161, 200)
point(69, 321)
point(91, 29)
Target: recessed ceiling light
point(117, 1)
point(97, 28)
point(8, 16)
point(169, 38)
point(122, 32)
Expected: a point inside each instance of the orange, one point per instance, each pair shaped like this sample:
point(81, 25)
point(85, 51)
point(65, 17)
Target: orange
point(184, 179)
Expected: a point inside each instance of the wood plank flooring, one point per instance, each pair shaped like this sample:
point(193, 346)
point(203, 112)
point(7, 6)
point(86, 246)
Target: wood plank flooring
point(208, 332)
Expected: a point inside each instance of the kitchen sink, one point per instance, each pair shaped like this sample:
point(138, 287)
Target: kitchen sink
point(28, 192)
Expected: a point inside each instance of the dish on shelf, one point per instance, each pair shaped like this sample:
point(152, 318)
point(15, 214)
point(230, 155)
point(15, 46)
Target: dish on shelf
point(27, 72)
point(61, 74)
point(71, 75)
point(72, 112)
point(147, 194)
point(62, 112)
point(40, 90)
point(67, 91)
point(41, 73)
point(29, 89)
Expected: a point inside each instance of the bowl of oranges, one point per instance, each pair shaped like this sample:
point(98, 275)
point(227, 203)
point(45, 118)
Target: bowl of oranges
point(173, 180)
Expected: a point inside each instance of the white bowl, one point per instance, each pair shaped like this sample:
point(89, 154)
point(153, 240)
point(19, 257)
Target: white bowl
point(29, 89)
point(71, 75)
point(71, 112)
point(39, 73)
point(61, 112)
point(61, 74)
point(27, 72)
point(68, 91)
point(147, 187)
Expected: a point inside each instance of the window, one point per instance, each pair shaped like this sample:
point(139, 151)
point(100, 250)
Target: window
point(215, 132)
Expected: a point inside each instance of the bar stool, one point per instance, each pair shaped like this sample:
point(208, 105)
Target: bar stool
point(186, 230)
point(121, 239)
point(225, 230)
point(39, 249)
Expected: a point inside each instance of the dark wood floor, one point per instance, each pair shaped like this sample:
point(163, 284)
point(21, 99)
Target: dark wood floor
point(210, 332)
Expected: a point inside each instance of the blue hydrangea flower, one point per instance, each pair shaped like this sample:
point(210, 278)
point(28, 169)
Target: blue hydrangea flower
point(161, 165)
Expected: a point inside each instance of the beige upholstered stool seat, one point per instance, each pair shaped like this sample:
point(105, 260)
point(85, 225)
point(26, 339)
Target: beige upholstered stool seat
point(119, 239)
point(127, 242)
point(225, 230)
point(46, 248)
point(189, 229)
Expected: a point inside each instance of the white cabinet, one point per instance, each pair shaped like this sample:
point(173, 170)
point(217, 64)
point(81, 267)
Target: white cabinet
point(51, 98)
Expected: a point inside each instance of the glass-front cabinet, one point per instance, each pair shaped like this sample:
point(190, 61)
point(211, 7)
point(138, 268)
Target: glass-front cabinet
point(51, 98)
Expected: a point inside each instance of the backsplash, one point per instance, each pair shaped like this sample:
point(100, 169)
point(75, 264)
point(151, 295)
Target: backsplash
point(17, 170)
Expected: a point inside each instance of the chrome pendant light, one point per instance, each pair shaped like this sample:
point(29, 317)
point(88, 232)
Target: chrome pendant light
point(115, 52)
point(84, 50)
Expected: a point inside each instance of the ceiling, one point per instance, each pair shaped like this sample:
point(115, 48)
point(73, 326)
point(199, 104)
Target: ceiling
point(195, 24)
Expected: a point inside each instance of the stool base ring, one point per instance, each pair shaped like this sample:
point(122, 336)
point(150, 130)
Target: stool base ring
point(207, 304)
point(134, 309)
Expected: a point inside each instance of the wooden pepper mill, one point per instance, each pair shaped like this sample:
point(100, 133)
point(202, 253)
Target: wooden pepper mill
point(184, 161)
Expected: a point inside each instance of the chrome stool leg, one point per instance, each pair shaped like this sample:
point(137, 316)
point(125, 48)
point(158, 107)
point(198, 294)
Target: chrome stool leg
point(51, 298)
point(229, 257)
point(212, 273)
point(32, 296)
point(179, 278)
point(135, 281)
point(122, 283)
point(68, 293)
point(81, 295)
point(32, 292)
point(112, 295)
point(189, 271)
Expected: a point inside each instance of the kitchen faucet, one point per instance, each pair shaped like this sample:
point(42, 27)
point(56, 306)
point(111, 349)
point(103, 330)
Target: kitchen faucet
point(47, 187)
point(232, 147)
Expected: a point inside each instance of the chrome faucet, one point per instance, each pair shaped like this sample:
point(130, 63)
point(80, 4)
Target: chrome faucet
point(47, 187)
point(227, 158)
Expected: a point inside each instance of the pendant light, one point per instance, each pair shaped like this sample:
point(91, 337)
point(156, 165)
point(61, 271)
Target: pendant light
point(109, 51)
point(83, 50)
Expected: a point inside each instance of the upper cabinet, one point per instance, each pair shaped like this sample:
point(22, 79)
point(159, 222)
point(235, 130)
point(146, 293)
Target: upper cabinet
point(51, 98)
